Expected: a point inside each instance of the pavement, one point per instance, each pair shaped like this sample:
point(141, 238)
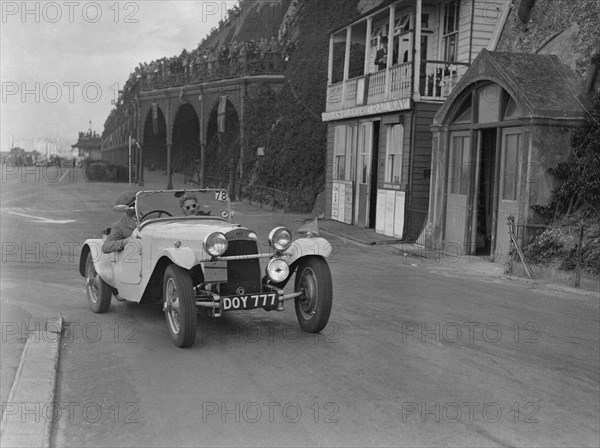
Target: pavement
point(30, 351)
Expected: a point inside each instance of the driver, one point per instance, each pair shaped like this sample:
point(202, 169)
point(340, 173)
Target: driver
point(190, 207)
point(121, 230)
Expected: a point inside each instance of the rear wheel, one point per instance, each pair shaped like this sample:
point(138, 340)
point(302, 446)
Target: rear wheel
point(98, 292)
point(179, 306)
point(313, 307)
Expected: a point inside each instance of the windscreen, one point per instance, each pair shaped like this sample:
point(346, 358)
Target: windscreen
point(205, 203)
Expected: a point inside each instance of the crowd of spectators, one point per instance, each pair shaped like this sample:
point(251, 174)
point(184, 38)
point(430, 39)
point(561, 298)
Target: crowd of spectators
point(226, 61)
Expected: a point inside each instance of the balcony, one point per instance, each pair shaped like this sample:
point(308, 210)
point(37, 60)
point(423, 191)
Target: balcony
point(436, 81)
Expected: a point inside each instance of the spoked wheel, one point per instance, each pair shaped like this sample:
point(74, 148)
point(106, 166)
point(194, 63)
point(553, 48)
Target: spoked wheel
point(313, 307)
point(179, 306)
point(98, 292)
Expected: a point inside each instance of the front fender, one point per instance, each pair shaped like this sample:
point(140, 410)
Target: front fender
point(183, 256)
point(307, 246)
point(102, 262)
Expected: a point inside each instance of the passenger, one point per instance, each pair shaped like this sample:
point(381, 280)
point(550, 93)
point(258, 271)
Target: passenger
point(121, 230)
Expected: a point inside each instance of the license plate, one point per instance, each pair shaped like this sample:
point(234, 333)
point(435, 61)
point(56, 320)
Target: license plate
point(248, 302)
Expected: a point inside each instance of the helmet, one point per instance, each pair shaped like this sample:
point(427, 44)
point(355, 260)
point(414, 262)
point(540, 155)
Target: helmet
point(126, 198)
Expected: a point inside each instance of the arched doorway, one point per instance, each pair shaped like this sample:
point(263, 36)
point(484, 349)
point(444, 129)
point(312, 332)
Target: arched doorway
point(185, 156)
point(155, 140)
point(223, 144)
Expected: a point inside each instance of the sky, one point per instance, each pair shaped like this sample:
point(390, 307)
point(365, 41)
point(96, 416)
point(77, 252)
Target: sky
point(62, 62)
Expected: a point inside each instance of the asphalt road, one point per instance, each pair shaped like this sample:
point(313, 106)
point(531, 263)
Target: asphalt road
point(413, 355)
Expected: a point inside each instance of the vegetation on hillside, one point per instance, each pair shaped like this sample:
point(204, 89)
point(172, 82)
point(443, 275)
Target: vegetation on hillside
point(287, 123)
point(575, 204)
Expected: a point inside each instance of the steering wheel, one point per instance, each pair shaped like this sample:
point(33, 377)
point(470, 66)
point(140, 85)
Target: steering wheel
point(160, 213)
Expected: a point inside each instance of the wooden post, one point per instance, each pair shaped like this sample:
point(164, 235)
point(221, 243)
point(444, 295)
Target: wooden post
point(578, 266)
point(368, 45)
point(417, 46)
point(330, 62)
point(511, 231)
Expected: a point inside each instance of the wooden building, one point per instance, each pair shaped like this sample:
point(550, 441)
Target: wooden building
point(508, 120)
point(390, 70)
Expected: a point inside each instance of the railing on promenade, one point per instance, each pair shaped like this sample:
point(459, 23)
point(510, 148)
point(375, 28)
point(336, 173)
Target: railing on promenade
point(254, 194)
point(270, 63)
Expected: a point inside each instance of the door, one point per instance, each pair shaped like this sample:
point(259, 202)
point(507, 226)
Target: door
point(484, 196)
point(363, 174)
point(459, 169)
point(508, 205)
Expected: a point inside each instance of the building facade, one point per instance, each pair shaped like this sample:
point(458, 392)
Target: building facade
point(390, 70)
point(507, 122)
point(88, 145)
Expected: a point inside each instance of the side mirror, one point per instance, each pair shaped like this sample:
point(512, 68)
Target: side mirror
point(122, 208)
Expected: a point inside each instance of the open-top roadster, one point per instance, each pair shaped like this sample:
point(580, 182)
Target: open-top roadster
point(206, 262)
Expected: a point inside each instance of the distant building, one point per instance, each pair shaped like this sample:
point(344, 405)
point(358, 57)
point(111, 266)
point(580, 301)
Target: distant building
point(89, 145)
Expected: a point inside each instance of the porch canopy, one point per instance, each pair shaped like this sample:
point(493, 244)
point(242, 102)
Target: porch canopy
point(512, 108)
point(541, 85)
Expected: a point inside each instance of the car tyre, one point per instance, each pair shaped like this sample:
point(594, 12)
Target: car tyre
point(98, 292)
point(313, 307)
point(179, 306)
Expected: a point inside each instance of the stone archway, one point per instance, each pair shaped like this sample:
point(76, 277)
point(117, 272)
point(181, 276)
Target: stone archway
point(185, 151)
point(155, 140)
point(223, 144)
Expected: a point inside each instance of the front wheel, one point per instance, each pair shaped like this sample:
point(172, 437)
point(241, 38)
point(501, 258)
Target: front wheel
point(313, 307)
point(98, 292)
point(179, 306)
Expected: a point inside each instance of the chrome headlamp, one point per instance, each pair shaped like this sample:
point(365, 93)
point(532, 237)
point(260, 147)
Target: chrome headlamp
point(278, 270)
point(280, 238)
point(215, 244)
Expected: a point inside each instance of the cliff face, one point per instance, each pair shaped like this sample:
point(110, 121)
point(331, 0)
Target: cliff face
point(567, 28)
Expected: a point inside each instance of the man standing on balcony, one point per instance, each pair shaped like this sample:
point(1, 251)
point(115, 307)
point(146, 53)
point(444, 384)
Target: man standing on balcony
point(381, 55)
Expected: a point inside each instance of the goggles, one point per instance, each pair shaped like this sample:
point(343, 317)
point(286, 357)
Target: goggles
point(191, 206)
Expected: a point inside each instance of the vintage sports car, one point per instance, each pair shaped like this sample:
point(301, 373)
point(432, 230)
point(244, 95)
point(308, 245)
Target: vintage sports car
point(205, 262)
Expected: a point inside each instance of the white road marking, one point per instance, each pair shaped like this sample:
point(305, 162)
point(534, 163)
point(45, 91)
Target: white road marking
point(44, 220)
point(63, 176)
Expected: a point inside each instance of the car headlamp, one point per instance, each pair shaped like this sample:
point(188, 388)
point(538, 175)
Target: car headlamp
point(278, 270)
point(280, 238)
point(215, 244)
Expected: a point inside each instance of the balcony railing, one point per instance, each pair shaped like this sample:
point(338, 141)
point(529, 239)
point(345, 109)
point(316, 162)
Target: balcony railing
point(437, 80)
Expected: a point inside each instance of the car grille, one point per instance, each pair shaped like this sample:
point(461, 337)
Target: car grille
point(242, 273)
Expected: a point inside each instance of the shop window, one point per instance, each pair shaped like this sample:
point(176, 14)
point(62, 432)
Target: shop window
point(394, 150)
point(512, 155)
point(450, 31)
point(339, 161)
